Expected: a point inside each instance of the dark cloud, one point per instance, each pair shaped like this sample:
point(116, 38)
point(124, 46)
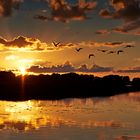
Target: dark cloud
point(64, 11)
point(68, 67)
point(31, 44)
point(134, 69)
point(92, 44)
point(114, 43)
point(128, 11)
point(96, 68)
point(105, 13)
point(128, 26)
point(19, 42)
point(42, 17)
point(128, 137)
point(6, 7)
point(83, 68)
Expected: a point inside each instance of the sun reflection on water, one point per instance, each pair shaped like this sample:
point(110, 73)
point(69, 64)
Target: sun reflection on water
point(19, 106)
point(83, 113)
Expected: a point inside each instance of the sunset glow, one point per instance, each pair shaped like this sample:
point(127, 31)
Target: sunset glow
point(22, 71)
point(53, 43)
point(18, 107)
point(32, 115)
point(69, 69)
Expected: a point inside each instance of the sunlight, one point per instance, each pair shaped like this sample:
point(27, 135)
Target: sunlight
point(22, 71)
point(19, 107)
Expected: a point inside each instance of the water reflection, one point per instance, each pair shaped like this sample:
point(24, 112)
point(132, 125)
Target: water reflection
point(119, 112)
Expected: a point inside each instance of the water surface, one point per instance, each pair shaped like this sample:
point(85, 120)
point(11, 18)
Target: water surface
point(113, 118)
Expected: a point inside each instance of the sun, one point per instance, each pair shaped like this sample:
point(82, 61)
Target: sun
point(22, 71)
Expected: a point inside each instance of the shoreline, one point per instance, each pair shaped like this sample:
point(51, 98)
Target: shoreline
point(60, 86)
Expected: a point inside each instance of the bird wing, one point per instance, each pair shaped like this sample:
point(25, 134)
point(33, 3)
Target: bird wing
point(91, 55)
point(77, 49)
point(54, 43)
point(57, 43)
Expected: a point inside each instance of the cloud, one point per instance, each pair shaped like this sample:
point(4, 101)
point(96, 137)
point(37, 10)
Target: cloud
point(27, 44)
point(11, 57)
point(92, 44)
point(132, 25)
point(105, 13)
point(31, 44)
point(89, 44)
point(128, 137)
point(133, 69)
point(64, 11)
point(137, 32)
point(114, 43)
point(127, 10)
point(42, 17)
point(42, 62)
point(68, 67)
point(21, 42)
point(102, 32)
point(6, 7)
point(94, 68)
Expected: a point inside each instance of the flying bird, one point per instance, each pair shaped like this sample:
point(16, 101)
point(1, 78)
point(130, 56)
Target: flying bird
point(129, 46)
point(56, 44)
point(119, 51)
point(111, 52)
point(91, 55)
point(78, 49)
point(102, 50)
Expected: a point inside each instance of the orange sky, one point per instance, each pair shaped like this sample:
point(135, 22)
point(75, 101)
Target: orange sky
point(28, 28)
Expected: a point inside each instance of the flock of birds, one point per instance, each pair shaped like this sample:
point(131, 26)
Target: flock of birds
point(100, 50)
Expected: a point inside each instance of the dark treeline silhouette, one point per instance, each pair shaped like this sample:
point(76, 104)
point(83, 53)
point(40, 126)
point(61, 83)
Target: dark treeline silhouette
point(56, 86)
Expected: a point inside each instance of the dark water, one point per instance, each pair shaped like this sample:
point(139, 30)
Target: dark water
point(114, 118)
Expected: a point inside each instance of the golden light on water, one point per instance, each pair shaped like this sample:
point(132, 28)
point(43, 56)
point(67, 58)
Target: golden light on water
point(19, 107)
point(33, 115)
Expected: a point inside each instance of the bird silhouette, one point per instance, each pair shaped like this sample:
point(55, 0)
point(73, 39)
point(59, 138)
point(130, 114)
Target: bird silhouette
point(102, 50)
point(56, 44)
point(78, 49)
point(119, 51)
point(111, 52)
point(129, 46)
point(90, 55)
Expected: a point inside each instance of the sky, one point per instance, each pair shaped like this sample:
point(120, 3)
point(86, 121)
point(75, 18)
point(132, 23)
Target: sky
point(28, 29)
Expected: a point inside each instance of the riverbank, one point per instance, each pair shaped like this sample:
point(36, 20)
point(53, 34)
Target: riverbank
point(56, 86)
